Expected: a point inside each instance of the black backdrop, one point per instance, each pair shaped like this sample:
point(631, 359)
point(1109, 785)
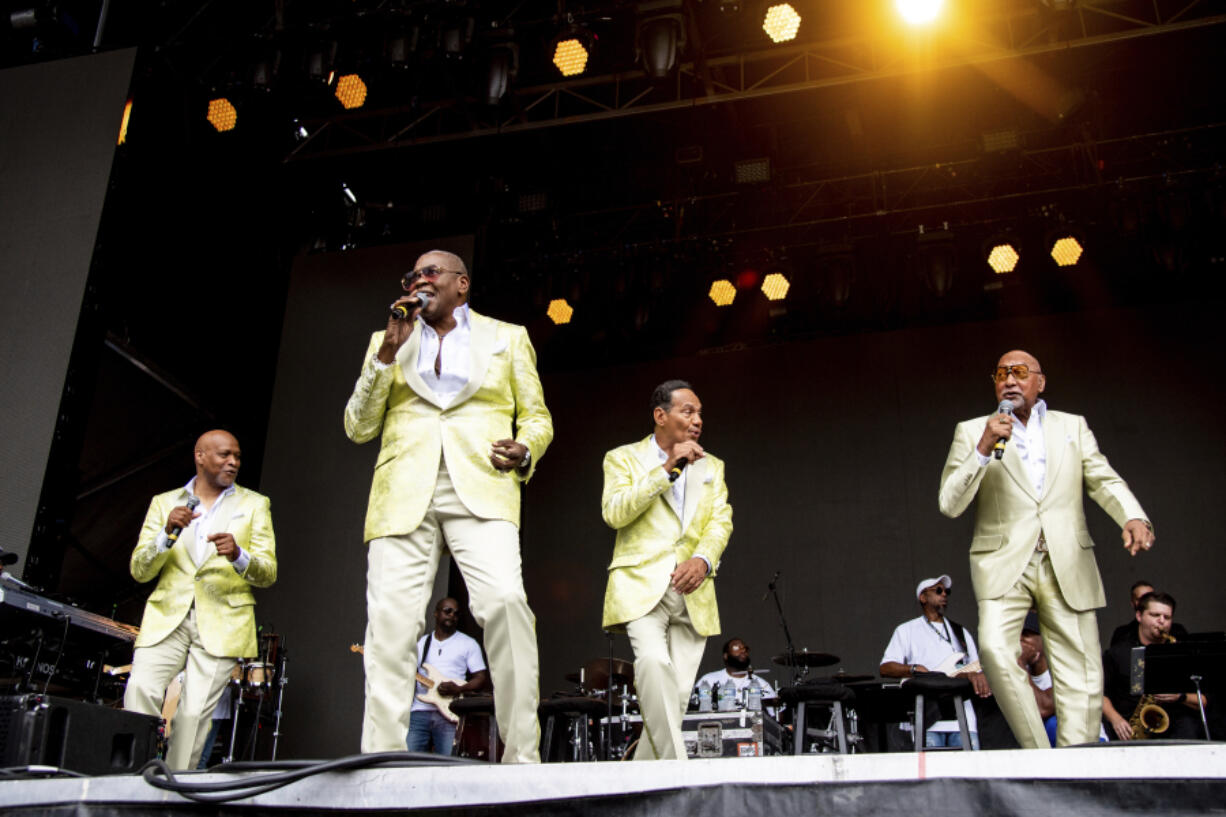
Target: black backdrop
point(834, 450)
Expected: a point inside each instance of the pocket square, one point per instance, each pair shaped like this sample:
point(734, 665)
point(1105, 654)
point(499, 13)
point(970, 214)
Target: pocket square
point(708, 479)
point(499, 347)
point(239, 514)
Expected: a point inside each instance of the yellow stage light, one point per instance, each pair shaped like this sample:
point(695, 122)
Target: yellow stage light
point(222, 114)
point(351, 91)
point(123, 123)
point(1003, 258)
point(570, 57)
point(781, 23)
point(919, 12)
point(560, 311)
point(1066, 252)
point(775, 286)
point(722, 292)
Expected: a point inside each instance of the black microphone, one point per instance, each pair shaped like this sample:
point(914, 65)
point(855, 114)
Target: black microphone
point(770, 588)
point(1006, 407)
point(401, 311)
point(676, 470)
point(173, 536)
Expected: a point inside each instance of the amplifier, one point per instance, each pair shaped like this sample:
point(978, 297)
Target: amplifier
point(82, 737)
point(724, 734)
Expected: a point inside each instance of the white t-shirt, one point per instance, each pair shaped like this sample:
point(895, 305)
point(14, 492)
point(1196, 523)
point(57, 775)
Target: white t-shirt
point(928, 643)
point(455, 657)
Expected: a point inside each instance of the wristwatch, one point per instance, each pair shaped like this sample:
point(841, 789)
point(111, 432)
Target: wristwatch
point(526, 462)
point(914, 668)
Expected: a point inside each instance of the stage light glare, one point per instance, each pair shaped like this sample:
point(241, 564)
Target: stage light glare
point(1066, 252)
point(775, 286)
point(222, 114)
point(1003, 258)
point(722, 292)
point(351, 91)
point(919, 12)
point(570, 57)
point(123, 123)
point(781, 23)
point(560, 311)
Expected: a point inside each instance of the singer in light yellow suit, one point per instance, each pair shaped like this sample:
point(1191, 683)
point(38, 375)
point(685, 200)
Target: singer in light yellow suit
point(670, 537)
point(201, 615)
point(459, 404)
point(1031, 547)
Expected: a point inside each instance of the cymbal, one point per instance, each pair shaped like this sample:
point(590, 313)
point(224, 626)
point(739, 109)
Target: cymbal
point(806, 659)
point(596, 673)
point(847, 678)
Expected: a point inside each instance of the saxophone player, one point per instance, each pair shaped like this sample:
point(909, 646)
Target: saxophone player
point(1155, 614)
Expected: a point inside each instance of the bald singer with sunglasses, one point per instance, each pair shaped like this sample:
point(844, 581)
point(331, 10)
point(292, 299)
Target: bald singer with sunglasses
point(458, 402)
point(1031, 548)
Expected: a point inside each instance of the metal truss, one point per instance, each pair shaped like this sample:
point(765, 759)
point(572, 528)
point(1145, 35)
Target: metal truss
point(1026, 30)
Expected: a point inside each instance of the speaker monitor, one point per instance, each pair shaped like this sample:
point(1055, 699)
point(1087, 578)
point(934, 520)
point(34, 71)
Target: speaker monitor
point(81, 737)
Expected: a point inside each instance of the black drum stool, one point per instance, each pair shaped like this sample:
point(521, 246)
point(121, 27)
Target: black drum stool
point(574, 714)
point(832, 696)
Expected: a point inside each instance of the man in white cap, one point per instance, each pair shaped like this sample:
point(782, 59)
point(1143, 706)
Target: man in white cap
point(933, 643)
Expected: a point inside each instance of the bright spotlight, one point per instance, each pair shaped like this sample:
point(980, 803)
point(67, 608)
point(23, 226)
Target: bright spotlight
point(570, 56)
point(560, 311)
point(919, 12)
point(351, 91)
point(1066, 252)
point(781, 23)
point(722, 292)
point(775, 286)
point(222, 114)
point(1002, 258)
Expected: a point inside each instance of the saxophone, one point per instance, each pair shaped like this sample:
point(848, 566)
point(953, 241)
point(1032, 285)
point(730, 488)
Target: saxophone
point(1149, 718)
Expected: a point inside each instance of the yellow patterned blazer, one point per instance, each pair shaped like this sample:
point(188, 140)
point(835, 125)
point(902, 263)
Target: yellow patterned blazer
point(1009, 516)
point(502, 400)
point(225, 606)
point(654, 536)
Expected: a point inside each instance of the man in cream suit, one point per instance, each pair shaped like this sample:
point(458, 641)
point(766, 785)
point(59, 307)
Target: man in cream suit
point(201, 615)
point(459, 404)
point(1031, 547)
point(670, 534)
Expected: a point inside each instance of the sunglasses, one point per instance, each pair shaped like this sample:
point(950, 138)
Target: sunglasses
point(430, 273)
point(1021, 371)
point(449, 610)
point(940, 589)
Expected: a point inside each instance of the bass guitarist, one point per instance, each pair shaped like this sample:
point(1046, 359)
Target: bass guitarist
point(445, 653)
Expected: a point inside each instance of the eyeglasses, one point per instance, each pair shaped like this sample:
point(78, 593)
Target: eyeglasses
point(430, 273)
point(1021, 371)
point(940, 589)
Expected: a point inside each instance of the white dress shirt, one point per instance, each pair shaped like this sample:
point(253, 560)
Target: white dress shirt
point(1028, 437)
point(453, 369)
point(197, 533)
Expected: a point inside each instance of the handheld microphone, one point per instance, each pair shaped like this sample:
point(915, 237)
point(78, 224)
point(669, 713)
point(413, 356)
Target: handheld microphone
point(1006, 407)
point(676, 470)
point(173, 536)
point(401, 311)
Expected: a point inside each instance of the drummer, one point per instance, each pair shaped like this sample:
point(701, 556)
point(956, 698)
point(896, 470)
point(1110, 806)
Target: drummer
point(739, 672)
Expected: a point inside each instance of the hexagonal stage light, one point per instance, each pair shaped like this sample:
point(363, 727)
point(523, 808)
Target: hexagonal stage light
point(775, 286)
point(781, 23)
point(222, 114)
point(351, 91)
point(1002, 257)
point(560, 311)
point(1066, 251)
point(722, 292)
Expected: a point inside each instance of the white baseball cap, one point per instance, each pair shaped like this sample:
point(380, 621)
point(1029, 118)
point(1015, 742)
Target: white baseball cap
point(926, 583)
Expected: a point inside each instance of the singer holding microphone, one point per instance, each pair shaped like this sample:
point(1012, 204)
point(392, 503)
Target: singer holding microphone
point(666, 498)
point(1031, 547)
point(458, 402)
point(207, 543)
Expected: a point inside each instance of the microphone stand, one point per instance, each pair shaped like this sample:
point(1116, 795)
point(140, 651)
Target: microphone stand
point(608, 729)
point(797, 675)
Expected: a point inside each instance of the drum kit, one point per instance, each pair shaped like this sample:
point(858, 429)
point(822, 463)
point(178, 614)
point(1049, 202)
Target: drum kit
point(251, 682)
point(736, 726)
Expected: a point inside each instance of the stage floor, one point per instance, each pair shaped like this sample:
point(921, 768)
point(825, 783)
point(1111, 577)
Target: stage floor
point(1113, 779)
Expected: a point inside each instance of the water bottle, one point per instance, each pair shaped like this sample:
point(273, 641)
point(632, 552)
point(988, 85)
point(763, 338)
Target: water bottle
point(704, 697)
point(754, 703)
point(727, 697)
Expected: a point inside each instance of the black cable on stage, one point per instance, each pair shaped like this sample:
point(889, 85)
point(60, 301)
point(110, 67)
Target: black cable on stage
point(226, 791)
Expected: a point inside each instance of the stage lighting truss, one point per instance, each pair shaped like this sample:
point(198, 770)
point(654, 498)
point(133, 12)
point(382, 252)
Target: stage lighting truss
point(222, 115)
point(350, 91)
point(1066, 250)
point(781, 23)
point(560, 311)
point(1002, 255)
point(775, 286)
point(722, 292)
